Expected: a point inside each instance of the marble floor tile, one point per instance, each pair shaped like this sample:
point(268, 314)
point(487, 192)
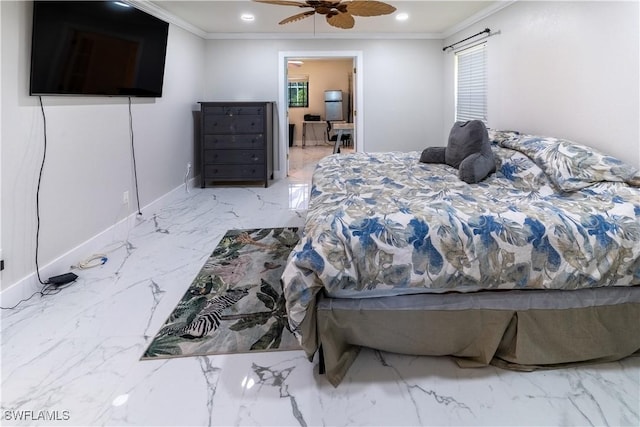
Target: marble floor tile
point(76, 355)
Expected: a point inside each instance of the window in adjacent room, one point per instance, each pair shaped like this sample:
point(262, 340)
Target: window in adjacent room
point(471, 83)
point(298, 91)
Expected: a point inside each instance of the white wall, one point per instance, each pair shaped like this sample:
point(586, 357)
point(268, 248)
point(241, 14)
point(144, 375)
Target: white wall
point(88, 165)
point(402, 83)
point(1, 255)
point(563, 69)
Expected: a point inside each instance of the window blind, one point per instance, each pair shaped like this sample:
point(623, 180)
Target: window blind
point(471, 84)
point(298, 91)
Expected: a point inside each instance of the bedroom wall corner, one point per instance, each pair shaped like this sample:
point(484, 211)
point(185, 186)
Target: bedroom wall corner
point(88, 163)
point(562, 69)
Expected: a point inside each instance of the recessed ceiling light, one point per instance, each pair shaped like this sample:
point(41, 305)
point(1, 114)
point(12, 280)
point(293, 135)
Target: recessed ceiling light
point(402, 16)
point(247, 17)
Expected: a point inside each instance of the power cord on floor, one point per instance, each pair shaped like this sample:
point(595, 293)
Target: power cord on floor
point(95, 260)
point(65, 280)
point(49, 289)
point(98, 259)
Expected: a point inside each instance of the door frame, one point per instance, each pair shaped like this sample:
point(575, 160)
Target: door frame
point(358, 117)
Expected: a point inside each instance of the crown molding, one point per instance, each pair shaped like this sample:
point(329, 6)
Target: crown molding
point(161, 13)
point(321, 36)
point(485, 13)
point(158, 12)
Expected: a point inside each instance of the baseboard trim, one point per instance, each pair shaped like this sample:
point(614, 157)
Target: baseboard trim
point(29, 284)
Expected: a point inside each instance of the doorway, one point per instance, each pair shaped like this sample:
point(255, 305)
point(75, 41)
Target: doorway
point(354, 112)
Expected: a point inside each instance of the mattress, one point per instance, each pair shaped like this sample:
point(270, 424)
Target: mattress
point(384, 230)
point(555, 215)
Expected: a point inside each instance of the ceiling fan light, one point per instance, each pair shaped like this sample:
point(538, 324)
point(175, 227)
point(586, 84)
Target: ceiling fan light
point(339, 13)
point(402, 16)
point(247, 17)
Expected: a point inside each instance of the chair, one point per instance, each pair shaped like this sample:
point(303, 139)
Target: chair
point(345, 139)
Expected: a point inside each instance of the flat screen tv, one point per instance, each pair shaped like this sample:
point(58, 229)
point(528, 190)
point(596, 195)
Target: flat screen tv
point(98, 48)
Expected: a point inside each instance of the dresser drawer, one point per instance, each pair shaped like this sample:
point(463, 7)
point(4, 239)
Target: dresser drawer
point(234, 157)
point(225, 141)
point(222, 110)
point(234, 172)
point(233, 124)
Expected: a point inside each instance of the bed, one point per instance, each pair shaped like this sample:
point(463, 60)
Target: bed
point(537, 266)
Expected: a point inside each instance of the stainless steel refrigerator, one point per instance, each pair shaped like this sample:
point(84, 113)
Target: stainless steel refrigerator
point(333, 105)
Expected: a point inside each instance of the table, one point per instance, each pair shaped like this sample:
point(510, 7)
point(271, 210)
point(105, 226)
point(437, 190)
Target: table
point(304, 129)
point(342, 128)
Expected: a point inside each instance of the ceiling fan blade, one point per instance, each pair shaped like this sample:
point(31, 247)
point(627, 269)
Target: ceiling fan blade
point(341, 20)
point(368, 8)
point(297, 17)
point(283, 2)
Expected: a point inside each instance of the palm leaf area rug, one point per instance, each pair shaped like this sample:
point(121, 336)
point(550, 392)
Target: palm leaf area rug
point(235, 304)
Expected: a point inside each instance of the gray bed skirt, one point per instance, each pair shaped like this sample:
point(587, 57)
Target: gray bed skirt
point(521, 330)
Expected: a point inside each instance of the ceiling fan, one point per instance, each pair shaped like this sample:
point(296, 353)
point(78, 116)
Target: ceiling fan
point(339, 13)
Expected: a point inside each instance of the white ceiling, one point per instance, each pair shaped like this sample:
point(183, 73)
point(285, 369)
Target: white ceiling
point(217, 18)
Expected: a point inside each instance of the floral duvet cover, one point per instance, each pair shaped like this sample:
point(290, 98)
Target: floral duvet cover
point(555, 215)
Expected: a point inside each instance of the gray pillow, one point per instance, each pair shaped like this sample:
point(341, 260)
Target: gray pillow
point(468, 150)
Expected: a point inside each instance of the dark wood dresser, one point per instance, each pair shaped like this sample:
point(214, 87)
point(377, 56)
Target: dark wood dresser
point(236, 142)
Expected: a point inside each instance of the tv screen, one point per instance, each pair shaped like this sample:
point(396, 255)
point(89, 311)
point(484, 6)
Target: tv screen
point(96, 48)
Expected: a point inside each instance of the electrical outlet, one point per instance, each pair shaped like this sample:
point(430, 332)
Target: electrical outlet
point(125, 198)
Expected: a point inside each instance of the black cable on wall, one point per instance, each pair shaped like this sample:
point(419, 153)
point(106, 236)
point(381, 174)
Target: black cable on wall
point(48, 288)
point(44, 156)
point(133, 155)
